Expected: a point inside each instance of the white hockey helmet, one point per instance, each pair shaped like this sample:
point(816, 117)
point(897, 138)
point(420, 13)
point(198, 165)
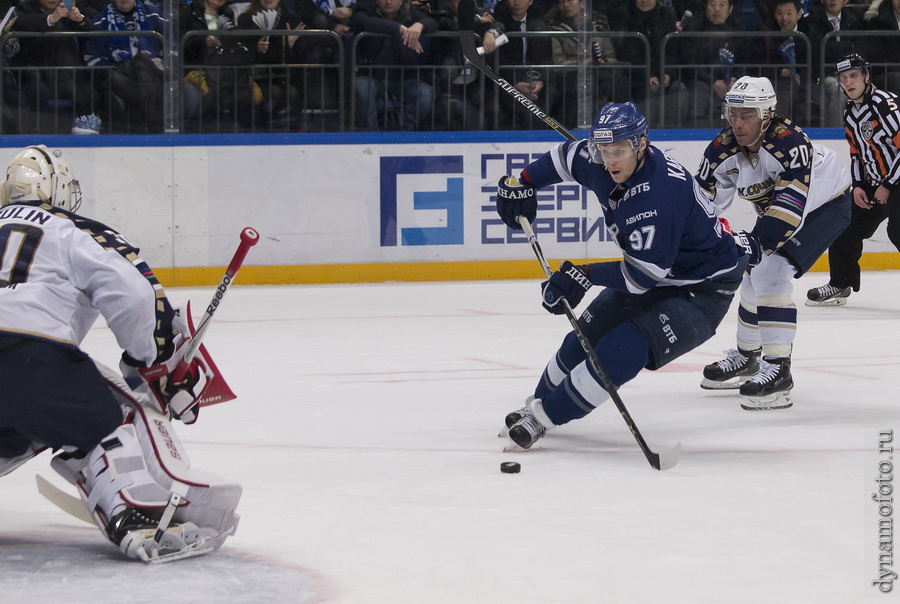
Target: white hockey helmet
point(754, 93)
point(38, 174)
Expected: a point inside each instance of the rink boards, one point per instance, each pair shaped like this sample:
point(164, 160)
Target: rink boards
point(345, 208)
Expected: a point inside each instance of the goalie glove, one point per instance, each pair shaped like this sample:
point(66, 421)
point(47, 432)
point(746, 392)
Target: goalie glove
point(569, 283)
point(516, 198)
point(179, 398)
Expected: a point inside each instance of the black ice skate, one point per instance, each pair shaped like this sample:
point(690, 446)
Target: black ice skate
point(827, 295)
point(737, 367)
point(513, 417)
point(527, 431)
point(770, 388)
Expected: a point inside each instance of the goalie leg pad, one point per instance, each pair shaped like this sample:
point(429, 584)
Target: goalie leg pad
point(129, 478)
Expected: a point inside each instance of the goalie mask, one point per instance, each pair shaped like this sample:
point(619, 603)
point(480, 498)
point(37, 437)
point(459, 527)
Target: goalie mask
point(38, 174)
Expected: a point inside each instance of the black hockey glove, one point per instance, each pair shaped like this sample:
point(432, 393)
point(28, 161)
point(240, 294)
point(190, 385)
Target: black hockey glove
point(515, 198)
point(748, 244)
point(569, 283)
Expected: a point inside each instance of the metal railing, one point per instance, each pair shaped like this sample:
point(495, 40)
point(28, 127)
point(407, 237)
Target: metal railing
point(700, 106)
point(337, 86)
point(237, 94)
point(46, 100)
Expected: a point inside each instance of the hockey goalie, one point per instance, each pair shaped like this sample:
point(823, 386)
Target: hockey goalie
point(111, 432)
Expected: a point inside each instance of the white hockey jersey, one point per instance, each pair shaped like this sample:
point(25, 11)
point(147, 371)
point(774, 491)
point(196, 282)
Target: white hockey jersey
point(60, 271)
point(786, 180)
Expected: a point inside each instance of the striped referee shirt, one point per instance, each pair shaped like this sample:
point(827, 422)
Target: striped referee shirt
point(873, 132)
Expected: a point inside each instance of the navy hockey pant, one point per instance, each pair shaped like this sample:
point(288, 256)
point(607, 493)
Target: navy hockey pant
point(53, 394)
point(631, 332)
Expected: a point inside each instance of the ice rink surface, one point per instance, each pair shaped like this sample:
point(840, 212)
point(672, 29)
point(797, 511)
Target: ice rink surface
point(365, 435)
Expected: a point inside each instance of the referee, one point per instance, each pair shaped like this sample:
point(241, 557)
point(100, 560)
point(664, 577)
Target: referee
point(872, 125)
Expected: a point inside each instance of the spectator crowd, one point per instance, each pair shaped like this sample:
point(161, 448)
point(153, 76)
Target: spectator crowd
point(331, 65)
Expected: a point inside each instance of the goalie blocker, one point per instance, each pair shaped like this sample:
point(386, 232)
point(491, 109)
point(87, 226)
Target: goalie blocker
point(128, 481)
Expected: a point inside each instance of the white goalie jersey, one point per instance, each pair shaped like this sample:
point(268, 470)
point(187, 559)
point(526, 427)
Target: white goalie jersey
point(59, 271)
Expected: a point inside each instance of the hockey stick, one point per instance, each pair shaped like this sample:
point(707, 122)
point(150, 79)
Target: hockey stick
point(660, 461)
point(466, 19)
point(249, 238)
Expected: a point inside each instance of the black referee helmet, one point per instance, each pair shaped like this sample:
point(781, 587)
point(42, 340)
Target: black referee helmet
point(852, 60)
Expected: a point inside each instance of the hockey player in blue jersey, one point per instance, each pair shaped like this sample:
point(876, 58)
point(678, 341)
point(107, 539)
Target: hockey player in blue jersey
point(674, 284)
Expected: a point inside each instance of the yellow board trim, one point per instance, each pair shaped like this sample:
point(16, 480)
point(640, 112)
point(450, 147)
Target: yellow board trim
point(413, 271)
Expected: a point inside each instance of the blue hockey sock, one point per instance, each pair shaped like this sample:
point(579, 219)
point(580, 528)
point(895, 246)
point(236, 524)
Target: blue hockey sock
point(623, 352)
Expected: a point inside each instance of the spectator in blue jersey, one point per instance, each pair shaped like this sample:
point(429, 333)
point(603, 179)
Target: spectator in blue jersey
point(674, 284)
point(872, 126)
point(136, 81)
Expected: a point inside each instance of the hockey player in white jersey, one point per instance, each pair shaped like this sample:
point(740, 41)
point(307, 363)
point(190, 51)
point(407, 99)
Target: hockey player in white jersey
point(58, 273)
point(802, 198)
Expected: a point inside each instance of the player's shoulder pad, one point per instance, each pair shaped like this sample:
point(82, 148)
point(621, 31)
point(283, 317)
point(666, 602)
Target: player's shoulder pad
point(721, 148)
point(581, 146)
point(105, 236)
point(782, 136)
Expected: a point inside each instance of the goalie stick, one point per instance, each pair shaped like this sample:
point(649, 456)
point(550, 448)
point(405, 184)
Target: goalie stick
point(217, 390)
point(466, 19)
point(249, 238)
point(68, 503)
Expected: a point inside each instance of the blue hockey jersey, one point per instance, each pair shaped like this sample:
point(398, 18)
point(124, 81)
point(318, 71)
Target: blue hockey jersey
point(661, 219)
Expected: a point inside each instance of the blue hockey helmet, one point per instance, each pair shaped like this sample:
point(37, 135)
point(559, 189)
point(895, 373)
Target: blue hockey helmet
point(617, 122)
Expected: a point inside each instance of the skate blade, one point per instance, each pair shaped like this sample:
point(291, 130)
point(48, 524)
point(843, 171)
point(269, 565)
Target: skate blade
point(732, 384)
point(831, 302)
point(180, 555)
point(512, 447)
point(779, 400)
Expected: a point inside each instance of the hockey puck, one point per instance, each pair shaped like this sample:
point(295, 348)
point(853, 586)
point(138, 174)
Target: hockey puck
point(510, 467)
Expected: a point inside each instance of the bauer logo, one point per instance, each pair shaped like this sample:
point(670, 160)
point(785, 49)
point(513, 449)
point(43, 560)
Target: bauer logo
point(422, 200)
